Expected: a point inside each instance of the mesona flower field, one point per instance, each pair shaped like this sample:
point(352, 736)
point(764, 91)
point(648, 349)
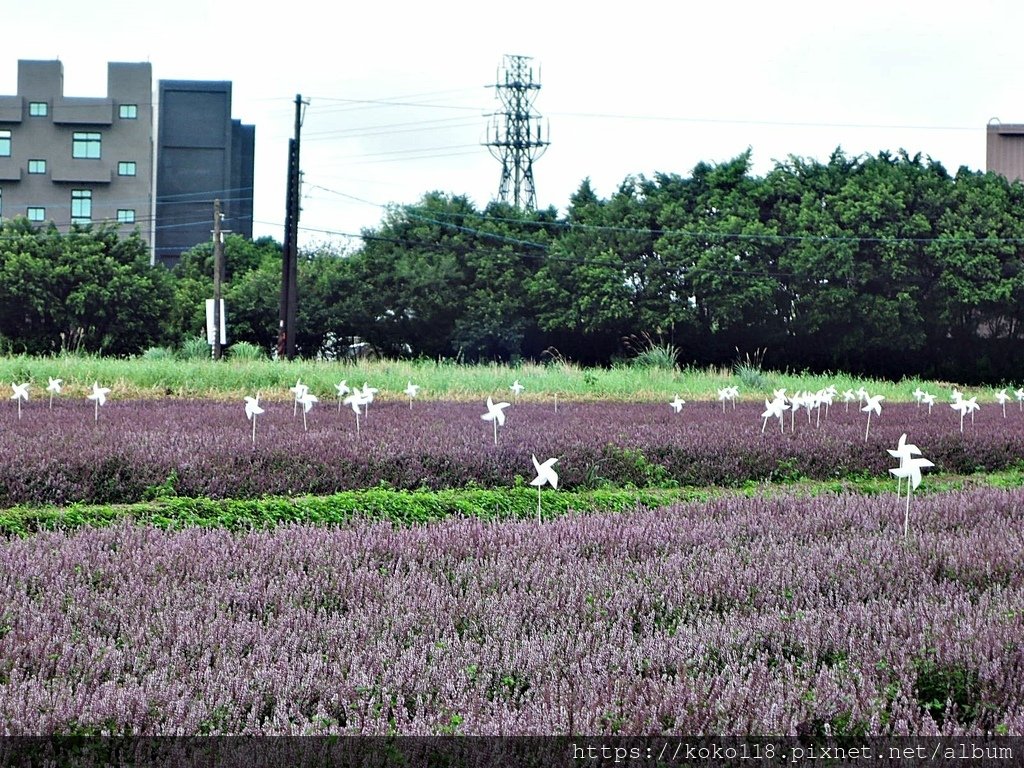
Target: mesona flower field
point(776, 613)
point(736, 616)
point(62, 455)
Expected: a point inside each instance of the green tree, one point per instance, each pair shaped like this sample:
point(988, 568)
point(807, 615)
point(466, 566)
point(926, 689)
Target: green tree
point(91, 288)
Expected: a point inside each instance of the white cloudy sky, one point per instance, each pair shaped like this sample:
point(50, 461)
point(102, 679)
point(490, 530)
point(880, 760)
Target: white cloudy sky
point(398, 92)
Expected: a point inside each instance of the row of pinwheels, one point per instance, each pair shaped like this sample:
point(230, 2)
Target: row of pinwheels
point(813, 401)
point(98, 394)
point(359, 399)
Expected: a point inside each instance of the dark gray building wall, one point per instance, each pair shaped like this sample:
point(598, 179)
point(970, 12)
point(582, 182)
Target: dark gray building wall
point(202, 155)
point(1004, 150)
point(243, 146)
point(41, 140)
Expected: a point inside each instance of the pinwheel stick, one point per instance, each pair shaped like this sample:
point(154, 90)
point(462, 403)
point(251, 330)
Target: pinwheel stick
point(868, 428)
point(538, 503)
point(906, 516)
point(254, 429)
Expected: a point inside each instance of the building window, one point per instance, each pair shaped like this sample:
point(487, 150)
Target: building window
point(128, 111)
point(81, 206)
point(38, 109)
point(5, 143)
point(126, 168)
point(36, 214)
point(37, 166)
point(125, 215)
point(85, 145)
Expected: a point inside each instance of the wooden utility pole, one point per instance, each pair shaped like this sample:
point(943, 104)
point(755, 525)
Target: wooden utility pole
point(289, 255)
point(218, 269)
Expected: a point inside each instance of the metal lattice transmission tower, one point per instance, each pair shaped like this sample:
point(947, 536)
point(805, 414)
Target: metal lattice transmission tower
point(514, 134)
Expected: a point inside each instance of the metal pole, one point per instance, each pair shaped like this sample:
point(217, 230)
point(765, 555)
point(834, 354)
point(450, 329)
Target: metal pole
point(293, 262)
point(289, 255)
point(218, 268)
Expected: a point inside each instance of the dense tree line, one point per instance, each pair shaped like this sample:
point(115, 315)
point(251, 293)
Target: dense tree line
point(886, 265)
point(87, 290)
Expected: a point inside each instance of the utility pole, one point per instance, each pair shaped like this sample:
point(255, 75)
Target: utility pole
point(218, 271)
point(517, 143)
point(289, 255)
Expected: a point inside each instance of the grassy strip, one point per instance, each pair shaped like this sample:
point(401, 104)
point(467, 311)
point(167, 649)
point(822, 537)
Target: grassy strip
point(412, 507)
point(440, 379)
point(396, 507)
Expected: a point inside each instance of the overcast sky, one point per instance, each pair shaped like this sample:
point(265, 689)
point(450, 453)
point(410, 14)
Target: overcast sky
point(399, 92)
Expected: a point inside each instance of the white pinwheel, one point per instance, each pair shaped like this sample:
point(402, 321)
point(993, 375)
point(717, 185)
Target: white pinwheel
point(918, 393)
point(298, 391)
point(53, 387)
point(903, 452)
point(910, 468)
point(516, 388)
point(824, 397)
point(960, 406)
point(724, 395)
point(677, 404)
point(848, 397)
point(1019, 394)
point(972, 406)
point(20, 393)
point(965, 405)
point(367, 395)
point(546, 475)
point(873, 405)
point(798, 400)
point(252, 410)
point(343, 389)
point(356, 400)
point(774, 409)
point(496, 415)
point(862, 395)
point(306, 400)
point(411, 391)
point(928, 399)
point(1002, 398)
point(98, 396)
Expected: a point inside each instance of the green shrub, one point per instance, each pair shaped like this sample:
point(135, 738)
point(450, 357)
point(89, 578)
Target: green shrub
point(195, 348)
point(246, 350)
point(748, 370)
point(653, 354)
point(158, 353)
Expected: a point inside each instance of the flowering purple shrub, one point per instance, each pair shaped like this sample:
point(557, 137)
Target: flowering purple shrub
point(737, 616)
point(62, 455)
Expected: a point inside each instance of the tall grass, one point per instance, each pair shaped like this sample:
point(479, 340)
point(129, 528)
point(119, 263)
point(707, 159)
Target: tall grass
point(235, 377)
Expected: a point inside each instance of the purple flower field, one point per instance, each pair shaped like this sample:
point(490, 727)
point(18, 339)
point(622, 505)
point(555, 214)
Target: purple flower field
point(736, 616)
point(62, 456)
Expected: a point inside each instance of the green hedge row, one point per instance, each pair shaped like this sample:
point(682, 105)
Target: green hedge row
point(386, 505)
